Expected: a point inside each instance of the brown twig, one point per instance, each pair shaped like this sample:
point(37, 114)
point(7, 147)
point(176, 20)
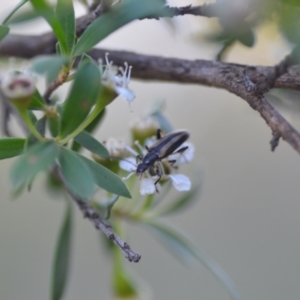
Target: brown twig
point(205, 10)
point(230, 77)
point(100, 224)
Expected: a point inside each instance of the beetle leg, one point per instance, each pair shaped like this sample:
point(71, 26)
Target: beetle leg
point(181, 150)
point(158, 133)
point(159, 170)
point(158, 173)
point(172, 162)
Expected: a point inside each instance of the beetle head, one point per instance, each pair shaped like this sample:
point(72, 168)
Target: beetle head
point(141, 168)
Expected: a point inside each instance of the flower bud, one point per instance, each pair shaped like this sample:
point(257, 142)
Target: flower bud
point(18, 88)
point(117, 150)
point(142, 129)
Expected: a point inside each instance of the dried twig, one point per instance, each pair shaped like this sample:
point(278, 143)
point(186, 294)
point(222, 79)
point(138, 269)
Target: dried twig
point(205, 10)
point(227, 76)
point(100, 224)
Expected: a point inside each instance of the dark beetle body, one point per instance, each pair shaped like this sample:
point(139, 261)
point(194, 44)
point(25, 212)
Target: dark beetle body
point(162, 148)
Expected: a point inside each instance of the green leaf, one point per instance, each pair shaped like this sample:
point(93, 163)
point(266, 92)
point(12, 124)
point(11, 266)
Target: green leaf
point(27, 14)
point(18, 6)
point(179, 203)
point(183, 249)
point(66, 16)
point(247, 38)
point(37, 101)
point(49, 65)
point(60, 267)
point(123, 285)
point(4, 30)
point(118, 16)
point(90, 128)
point(77, 175)
point(10, 147)
point(82, 97)
point(90, 143)
point(38, 158)
point(40, 125)
point(47, 12)
point(53, 126)
point(106, 179)
point(106, 207)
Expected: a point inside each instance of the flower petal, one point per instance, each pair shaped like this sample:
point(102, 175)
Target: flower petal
point(181, 182)
point(128, 164)
point(185, 157)
point(147, 186)
point(126, 93)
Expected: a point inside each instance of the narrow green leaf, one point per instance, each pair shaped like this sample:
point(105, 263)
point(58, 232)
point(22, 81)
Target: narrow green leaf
point(118, 16)
point(37, 101)
point(32, 116)
point(38, 158)
point(47, 12)
point(183, 249)
point(247, 38)
point(171, 239)
point(10, 147)
point(90, 128)
point(53, 126)
point(106, 179)
point(106, 206)
point(180, 202)
point(61, 263)
point(76, 174)
point(90, 143)
point(110, 204)
point(163, 122)
point(18, 6)
point(4, 30)
point(24, 15)
point(49, 65)
point(82, 97)
point(66, 16)
point(40, 125)
point(123, 284)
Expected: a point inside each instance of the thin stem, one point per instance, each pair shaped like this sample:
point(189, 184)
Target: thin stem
point(31, 127)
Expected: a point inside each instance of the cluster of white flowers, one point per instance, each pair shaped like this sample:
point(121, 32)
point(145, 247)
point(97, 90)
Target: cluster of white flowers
point(147, 184)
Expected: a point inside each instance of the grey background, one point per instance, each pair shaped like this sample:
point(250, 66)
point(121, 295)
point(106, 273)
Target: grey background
point(247, 217)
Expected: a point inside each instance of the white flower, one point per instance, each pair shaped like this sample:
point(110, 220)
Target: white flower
point(128, 164)
point(180, 182)
point(118, 83)
point(184, 157)
point(147, 186)
point(115, 147)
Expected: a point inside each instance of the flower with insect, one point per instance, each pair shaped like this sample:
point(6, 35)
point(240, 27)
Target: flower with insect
point(159, 162)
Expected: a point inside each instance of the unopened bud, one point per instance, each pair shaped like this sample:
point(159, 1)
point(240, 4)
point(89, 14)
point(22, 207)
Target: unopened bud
point(142, 129)
point(18, 88)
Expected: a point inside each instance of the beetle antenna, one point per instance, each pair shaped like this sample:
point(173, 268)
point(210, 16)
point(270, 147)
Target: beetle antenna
point(130, 150)
point(128, 176)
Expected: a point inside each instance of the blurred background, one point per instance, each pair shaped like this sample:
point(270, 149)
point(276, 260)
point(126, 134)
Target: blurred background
point(246, 216)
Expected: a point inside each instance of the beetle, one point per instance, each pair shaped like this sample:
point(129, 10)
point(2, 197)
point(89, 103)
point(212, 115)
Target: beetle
point(162, 148)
